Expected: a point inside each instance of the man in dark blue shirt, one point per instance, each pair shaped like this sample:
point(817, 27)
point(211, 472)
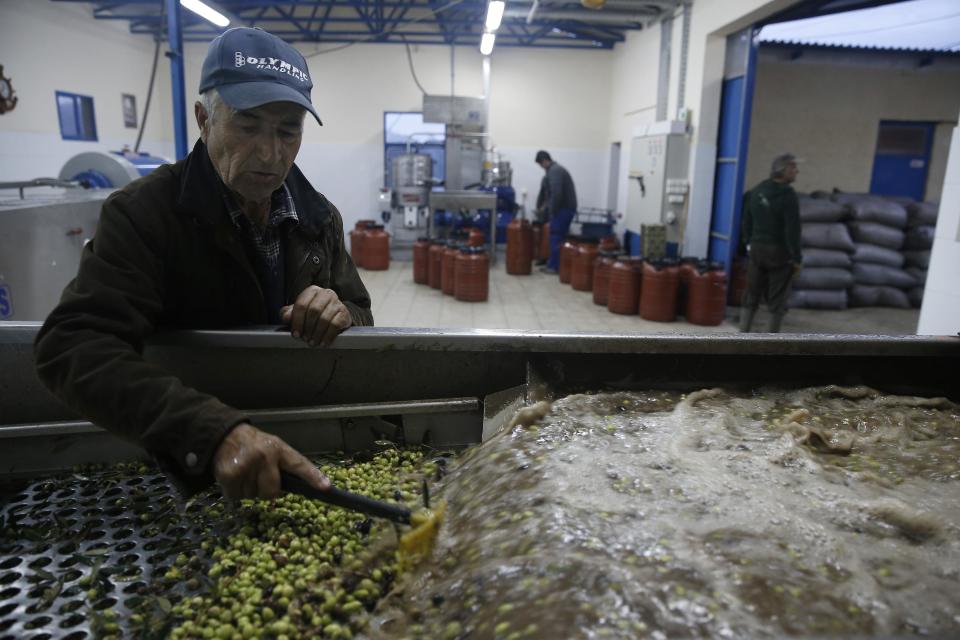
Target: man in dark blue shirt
point(556, 204)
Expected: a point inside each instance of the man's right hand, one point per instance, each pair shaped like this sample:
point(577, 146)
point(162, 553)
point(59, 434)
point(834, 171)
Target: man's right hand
point(248, 462)
point(797, 268)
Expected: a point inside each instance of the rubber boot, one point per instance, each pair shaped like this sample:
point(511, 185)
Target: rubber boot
point(776, 320)
point(746, 318)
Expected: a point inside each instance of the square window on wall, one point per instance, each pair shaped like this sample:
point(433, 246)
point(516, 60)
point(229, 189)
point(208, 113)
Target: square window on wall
point(76, 115)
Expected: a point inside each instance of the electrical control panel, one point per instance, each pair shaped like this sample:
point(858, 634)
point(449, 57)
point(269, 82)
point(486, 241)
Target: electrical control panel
point(658, 189)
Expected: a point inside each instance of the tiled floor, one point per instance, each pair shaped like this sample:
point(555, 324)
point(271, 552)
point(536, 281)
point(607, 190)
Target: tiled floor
point(539, 301)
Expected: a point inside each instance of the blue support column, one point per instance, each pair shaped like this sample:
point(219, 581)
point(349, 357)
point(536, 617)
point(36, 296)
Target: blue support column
point(175, 38)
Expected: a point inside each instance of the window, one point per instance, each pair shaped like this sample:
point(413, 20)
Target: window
point(401, 128)
point(77, 121)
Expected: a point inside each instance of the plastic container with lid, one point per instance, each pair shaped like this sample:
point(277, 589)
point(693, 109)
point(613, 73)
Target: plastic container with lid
point(567, 250)
point(609, 243)
point(581, 277)
point(447, 262)
point(601, 275)
point(545, 242)
point(476, 238)
point(356, 240)
point(658, 298)
point(472, 274)
point(421, 261)
point(538, 241)
point(376, 248)
point(623, 290)
point(435, 263)
point(686, 267)
point(707, 300)
point(519, 247)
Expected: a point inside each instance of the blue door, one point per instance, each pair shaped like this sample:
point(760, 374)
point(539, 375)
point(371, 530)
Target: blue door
point(732, 141)
point(902, 158)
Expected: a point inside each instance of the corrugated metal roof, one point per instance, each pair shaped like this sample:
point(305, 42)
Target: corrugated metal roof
point(915, 25)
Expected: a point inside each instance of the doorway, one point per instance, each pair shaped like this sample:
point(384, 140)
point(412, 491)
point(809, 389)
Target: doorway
point(902, 159)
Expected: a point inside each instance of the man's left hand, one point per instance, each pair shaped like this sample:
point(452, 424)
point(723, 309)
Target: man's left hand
point(317, 316)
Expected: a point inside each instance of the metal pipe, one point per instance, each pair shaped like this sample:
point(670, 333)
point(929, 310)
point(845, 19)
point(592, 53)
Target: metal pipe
point(601, 17)
point(533, 11)
point(175, 39)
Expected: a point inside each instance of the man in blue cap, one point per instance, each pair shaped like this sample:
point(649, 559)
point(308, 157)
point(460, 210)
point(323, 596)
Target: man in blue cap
point(232, 235)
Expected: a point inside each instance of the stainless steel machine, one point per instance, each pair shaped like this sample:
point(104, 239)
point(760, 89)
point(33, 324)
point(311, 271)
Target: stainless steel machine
point(444, 389)
point(45, 223)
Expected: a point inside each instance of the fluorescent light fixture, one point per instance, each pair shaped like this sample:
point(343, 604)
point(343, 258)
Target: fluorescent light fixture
point(486, 43)
point(494, 14)
point(206, 12)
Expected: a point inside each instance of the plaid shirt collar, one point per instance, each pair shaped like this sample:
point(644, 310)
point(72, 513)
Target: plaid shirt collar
point(281, 208)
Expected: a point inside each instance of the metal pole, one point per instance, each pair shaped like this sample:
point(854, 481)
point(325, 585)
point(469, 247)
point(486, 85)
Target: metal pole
point(175, 39)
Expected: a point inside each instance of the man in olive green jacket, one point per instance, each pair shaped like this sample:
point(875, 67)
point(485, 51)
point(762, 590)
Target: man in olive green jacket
point(771, 233)
point(232, 235)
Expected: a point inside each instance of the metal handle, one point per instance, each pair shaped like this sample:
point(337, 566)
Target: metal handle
point(345, 499)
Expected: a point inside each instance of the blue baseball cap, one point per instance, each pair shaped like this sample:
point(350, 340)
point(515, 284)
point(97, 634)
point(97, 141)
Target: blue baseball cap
point(250, 67)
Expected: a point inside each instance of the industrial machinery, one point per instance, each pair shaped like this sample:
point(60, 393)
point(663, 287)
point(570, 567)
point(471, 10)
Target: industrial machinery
point(43, 232)
point(446, 389)
point(657, 187)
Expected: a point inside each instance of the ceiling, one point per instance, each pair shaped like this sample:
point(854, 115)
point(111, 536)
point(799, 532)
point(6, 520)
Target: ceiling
point(527, 23)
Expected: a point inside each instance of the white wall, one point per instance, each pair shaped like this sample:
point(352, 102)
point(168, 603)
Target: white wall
point(826, 108)
point(543, 99)
point(940, 313)
point(45, 47)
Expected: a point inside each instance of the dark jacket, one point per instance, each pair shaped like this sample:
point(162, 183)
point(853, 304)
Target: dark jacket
point(556, 191)
point(771, 216)
point(167, 256)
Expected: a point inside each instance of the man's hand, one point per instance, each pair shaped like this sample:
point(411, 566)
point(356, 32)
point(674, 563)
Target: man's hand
point(797, 268)
point(317, 316)
point(248, 462)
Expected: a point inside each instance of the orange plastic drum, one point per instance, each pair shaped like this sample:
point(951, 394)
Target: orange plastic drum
point(472, 274)
point(582, 277)
point(538, 241)
point(545, 242)
point(623, 291)
point(376, 248)
point(567, 250)
point(687, 267)
point(421, 261)
point(707, 301)
point(447, 282)
point(476, 238)
point(435, 263)
point(609, 243)
point(519, 247)
point(356, 240)
point(601, 275)
point(658, 298)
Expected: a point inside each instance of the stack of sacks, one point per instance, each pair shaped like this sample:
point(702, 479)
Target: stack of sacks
point(825, 278)
point(921, 223)
point(877, 227)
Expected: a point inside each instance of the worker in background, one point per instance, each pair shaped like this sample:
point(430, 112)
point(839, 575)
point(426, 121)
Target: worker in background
point(231, 235)
point(556, 204)
point(771, 234)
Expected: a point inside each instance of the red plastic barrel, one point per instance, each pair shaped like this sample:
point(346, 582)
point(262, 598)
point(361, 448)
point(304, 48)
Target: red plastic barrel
point(687, 267)
point(707, 301)
point(581, 277)
point(519, 247)
point(623, 291)
point(435, 262)
point(567, 250)
point(421, 261)
point(545, 242)
point(658, 297)
point(609, 243)
point(356, 240)
point(472, 274)
point(738, 281)
point(601, 276)
point(476, 238)
point(447, 282)
point(376, 248)
point(538, 241)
